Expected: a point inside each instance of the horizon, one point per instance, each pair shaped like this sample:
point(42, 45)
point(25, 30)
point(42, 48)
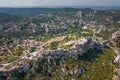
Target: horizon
point(49, 3)
point(77, 7)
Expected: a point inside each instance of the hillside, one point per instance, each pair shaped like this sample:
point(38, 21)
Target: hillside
point(6, 17)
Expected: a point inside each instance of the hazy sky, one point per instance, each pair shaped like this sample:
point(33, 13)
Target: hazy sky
point(34, 3)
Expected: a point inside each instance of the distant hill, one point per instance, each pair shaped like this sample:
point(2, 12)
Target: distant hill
point(26, 12)
point(6, 17)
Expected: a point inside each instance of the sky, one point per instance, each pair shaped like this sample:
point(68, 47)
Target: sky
point(42, 3)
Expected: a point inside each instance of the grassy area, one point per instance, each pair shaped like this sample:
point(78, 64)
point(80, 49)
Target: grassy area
point(97, 65)
point(101, 69)
point(72, 36)
point(66, 46)
point(53, 46)
point(12, 59)
point(70, 31)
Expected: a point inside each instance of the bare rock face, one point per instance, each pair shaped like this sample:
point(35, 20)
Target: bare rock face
point(100, 29)
point(116, 35)
point(118, 72)
point(78, 72)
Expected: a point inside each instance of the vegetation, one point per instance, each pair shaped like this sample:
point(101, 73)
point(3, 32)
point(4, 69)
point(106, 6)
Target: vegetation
point(18, 52)
point(33, 49)
point(52, 46)
point(117, 43)
point(113, 28)
point(66, 46)
point(93, 64)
